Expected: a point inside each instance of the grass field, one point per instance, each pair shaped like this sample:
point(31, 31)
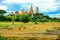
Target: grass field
point(7, 29)
point(30, 26)
point(27, 38)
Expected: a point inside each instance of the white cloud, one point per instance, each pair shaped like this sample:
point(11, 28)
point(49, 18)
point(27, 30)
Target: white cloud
point(22, 1)
point(44, 5)
point(3, 7)
point(47, 5)
point(10, 11)
point(57, 15)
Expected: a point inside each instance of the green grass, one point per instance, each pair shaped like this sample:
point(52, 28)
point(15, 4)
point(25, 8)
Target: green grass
point(8, 24)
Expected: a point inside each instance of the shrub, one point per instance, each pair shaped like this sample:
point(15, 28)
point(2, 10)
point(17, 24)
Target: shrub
point(36, 22)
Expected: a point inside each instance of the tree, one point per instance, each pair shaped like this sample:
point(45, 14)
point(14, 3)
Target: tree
point(25, 18)
point(17, 18)
point(43, 20)
point(13, 18)
point(2, 18)
point(2, 12)
point(6, 18)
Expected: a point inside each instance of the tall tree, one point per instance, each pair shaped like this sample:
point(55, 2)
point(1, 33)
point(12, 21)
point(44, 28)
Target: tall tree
point(2, 12)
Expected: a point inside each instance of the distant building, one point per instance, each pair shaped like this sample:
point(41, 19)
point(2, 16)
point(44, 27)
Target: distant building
point(22, 11)
point(29, 12)
point(16, 12)
point(37, 10)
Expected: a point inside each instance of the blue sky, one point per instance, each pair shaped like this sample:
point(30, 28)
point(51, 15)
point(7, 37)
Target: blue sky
point(48, 7)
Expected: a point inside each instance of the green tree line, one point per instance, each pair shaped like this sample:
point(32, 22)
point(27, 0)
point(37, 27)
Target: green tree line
point(34, 17)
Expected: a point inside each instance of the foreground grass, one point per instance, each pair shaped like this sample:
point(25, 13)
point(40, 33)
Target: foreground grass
point(7, 24)
point(31, 26)
point(27, 38)
point(19, 28)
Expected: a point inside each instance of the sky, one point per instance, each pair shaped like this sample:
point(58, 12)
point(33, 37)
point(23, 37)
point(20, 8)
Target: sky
point(48, 7)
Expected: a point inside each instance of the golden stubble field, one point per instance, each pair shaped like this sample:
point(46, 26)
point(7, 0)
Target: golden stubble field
point(19, 28)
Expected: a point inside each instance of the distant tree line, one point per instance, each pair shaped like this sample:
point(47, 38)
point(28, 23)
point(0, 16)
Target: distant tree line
point(35, 17)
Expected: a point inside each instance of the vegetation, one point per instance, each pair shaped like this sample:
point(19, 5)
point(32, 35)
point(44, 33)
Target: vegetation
point(19, 20)
point(29, 18)
point(2, 12)
point(35, 17)
point(30, 27)
point(25, 38)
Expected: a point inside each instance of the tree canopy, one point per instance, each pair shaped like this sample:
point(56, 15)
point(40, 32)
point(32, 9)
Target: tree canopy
point(40, 17)
point(2, 12)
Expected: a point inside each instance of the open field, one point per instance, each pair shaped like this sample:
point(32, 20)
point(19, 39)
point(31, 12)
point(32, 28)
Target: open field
point(30, 26)
point(9, 30)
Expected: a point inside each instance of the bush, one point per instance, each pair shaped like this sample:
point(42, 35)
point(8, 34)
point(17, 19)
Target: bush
point(25, 18)
point(3, 38)
point(36, 22)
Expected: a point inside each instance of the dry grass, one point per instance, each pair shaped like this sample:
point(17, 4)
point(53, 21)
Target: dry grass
point(19, 28)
